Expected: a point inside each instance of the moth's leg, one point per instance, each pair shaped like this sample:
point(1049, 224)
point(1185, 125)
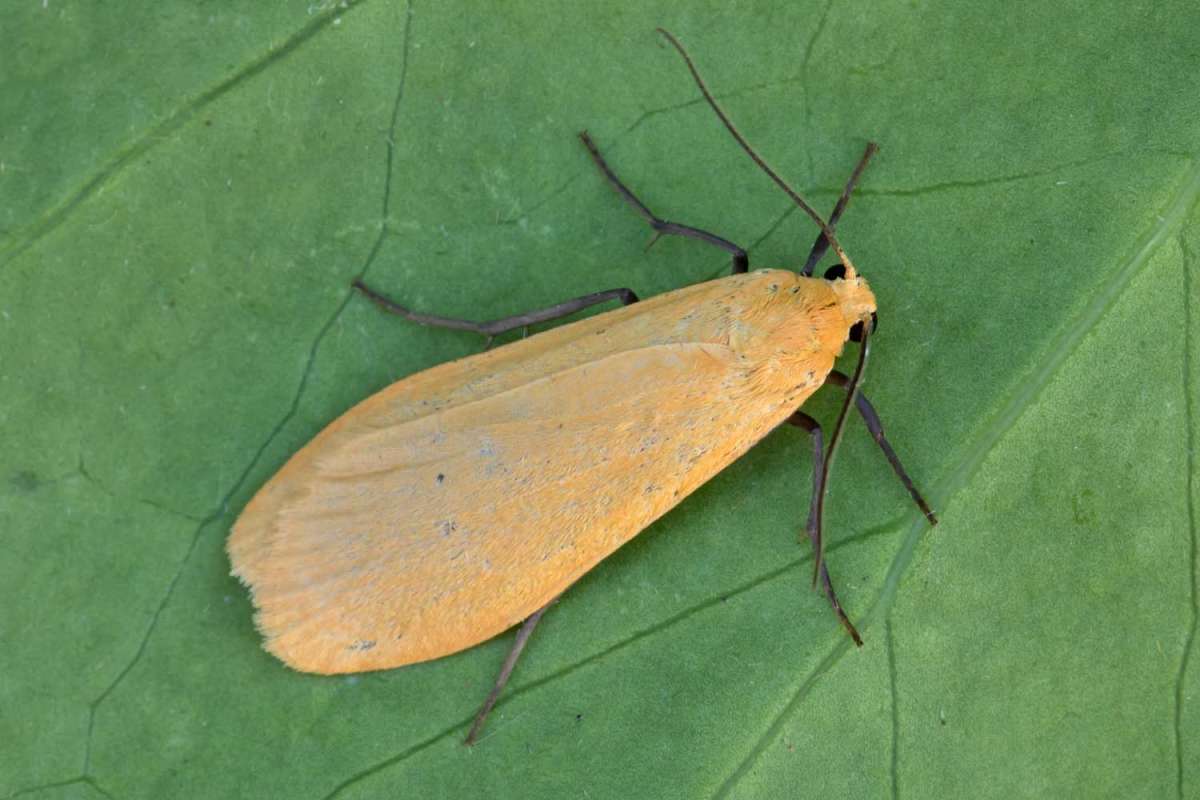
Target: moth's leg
point(506, 670)
point(496, 327)
point(741, 261)
point(867, 411)
point(802, 420)
point(822, 244)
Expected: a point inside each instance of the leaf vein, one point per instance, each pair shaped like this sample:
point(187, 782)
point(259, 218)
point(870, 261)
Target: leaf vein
point(893, 686)
point(996, 180)
point(636, 636)
point(1165, 224)
point(222, 507)
point(1189, 401)
point(52, 218)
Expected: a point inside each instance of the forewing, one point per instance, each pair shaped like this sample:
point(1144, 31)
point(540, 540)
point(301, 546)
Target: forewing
point(396, 544)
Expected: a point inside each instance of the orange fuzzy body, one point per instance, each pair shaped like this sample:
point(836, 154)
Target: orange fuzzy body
point(458, 501)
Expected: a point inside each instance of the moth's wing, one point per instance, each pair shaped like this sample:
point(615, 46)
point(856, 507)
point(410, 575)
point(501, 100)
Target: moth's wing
point(411, 541)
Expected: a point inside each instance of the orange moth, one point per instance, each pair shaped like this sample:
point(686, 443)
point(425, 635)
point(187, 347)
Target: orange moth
point(463, 500)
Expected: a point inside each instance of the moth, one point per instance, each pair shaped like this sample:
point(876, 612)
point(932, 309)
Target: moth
point(463, 500)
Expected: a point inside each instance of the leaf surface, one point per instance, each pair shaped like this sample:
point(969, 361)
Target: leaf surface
point(187, 194)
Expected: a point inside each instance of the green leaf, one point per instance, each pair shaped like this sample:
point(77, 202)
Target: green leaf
point(187, 191)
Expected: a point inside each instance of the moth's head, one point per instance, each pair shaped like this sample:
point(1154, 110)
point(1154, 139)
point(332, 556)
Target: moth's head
point(855, 298)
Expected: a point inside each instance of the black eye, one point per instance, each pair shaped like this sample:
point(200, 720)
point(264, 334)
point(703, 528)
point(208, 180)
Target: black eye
point(857, 330)
point(836, 272)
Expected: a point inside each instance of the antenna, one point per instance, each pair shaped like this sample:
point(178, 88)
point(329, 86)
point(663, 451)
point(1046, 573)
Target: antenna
point(741, 140)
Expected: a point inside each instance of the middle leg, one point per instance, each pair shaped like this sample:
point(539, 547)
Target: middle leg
point(740, 261)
